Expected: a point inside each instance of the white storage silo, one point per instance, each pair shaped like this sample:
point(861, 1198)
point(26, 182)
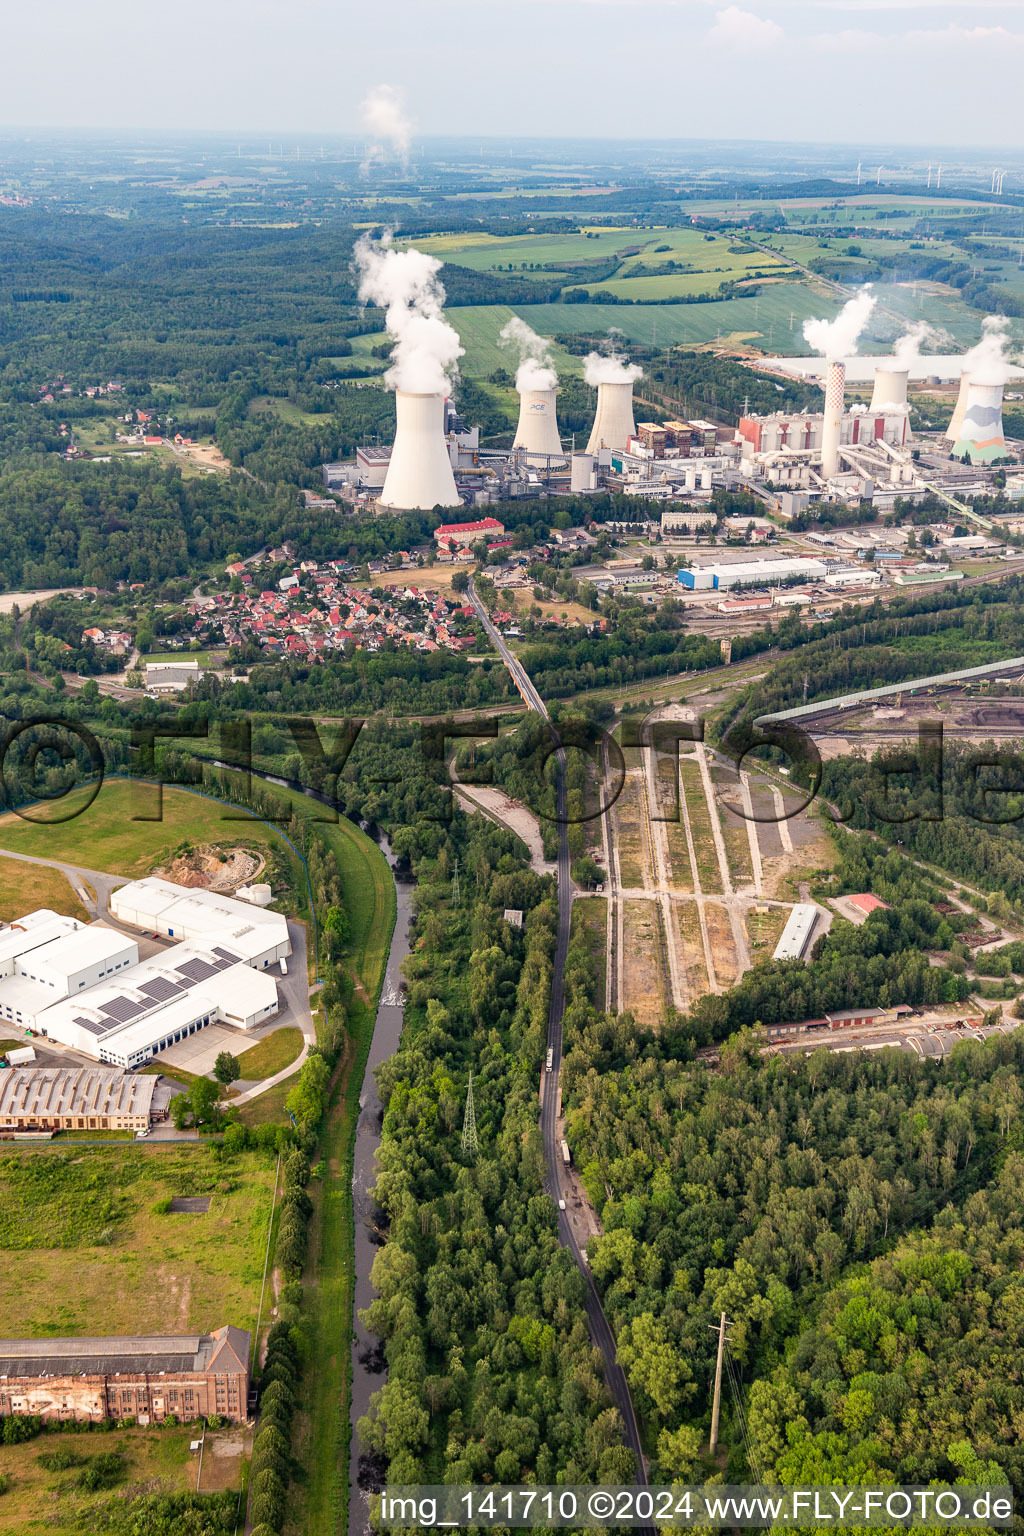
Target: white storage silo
point(419, 474)
point(582, 472)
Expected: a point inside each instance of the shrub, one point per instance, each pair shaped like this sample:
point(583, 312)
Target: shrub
point(14, 1430)
point(277, 1392)
point(162, 1207)
point(214, 1421)
point(267, 1509)
point(264, 1530)
point(171, 1420)
point(59, 1460)
point(5, 1482)
point(269, 1481)
point(268, 1460)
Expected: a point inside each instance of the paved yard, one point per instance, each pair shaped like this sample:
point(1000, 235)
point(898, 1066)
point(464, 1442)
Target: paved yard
point(198, 1053)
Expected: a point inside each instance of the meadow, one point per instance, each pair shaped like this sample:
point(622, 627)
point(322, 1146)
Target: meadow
point(87, 1249)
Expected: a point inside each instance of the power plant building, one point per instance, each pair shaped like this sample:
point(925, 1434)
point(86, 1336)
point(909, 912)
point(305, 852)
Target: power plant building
point(537, 432)
point(419, 474)
point(613, 423)
point(804, 433)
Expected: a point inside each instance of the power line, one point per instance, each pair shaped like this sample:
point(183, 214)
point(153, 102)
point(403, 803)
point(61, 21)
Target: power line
point(470, 1143)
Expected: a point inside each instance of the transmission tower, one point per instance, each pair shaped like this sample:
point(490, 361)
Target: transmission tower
point(470, 1143)
point(456, 889)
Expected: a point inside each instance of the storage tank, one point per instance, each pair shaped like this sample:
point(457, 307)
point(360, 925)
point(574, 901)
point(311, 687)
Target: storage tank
point(890, 390)
point(537, 431)
point(419, 474)
point(582, 473)
point(613, 424)
point(259, 895)
point(705, 480)
point(832, 426)
point(981, 433)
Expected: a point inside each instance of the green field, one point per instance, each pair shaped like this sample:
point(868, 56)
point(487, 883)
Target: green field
point(157, 1460)
point(478, 327)
point(85, 1251)
point(285, 410)
point(765, 318)
point(494, 253)
point(108, 836)
point(271, 1055)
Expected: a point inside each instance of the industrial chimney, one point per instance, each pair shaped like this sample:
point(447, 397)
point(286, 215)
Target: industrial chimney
point(960, 409)
point(613, 424)
point(537, 431)
point(835, 390)
point(419, 474)
point(981, 432)
point(890, 392)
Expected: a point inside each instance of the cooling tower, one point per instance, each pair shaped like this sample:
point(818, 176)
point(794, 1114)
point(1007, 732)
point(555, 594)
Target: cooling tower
point(981, 434)
point(835, 389)
point(613, 424)
point(959, 410)
point(537, 431)
point(419, 474)
point(890, 389)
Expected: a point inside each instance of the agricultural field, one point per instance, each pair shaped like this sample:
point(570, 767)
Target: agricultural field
point(26, 887)
point(690, 950)
point(89, 1250)
point(479, 325)
point(708, 869)
point(631, 831)
point(518, 253)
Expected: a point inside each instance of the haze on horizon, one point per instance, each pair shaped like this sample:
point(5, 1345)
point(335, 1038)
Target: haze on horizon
point(910, 71)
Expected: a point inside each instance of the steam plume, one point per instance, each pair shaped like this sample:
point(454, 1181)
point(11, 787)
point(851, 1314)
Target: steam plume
point(404, 283)
point(987, 362)
point(383, 116)
point(908, 349)
point(613, 369)
point(535, 369)
point(838, 338)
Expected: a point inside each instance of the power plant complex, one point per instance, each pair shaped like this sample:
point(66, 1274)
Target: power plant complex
point(842, 452)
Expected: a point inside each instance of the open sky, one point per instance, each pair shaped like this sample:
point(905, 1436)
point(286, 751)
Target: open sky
point(910, 71)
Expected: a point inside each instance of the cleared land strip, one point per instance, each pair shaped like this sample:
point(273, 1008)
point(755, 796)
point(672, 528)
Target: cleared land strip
point(755, 847)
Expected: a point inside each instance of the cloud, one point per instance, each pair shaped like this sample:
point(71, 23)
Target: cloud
point(736, 28)
point(838, 338)
point(382, 114)
point(956, 36)
point(425, 357)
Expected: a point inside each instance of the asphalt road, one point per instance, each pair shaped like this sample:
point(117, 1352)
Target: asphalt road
point(600, 1328)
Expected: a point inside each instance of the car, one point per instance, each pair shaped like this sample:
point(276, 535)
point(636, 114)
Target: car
point(561, 1205)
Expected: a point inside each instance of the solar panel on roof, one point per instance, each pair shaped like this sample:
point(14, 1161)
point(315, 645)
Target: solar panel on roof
point(225, 954)
point(92, 1026)
point(123, 1009)
point(159, 989)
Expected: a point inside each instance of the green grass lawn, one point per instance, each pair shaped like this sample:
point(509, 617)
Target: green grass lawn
point(111, 836)
point(478, 326)
point(204, 658)
point(85, 1252)
point(294, 415)
point(271, 1055)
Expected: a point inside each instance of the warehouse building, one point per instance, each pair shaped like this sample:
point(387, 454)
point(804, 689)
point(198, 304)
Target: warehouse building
point(754, 573)
point(75, 1099)
point(796, 935)
point(88, 989)
point(192, 1376)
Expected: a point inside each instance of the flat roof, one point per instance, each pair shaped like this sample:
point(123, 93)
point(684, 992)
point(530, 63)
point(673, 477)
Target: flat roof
point(31, 932)
point(73, 951)
point(909, 684)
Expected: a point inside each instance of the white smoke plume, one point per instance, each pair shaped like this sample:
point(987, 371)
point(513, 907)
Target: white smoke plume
point(907, 350)
point(382, 114)
point(838, 338)
point(535, 370)
point(404, 283)
point(987, 362)
point(613, 369)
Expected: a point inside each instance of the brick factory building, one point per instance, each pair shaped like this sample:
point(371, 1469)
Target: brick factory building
point(191, 1376)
